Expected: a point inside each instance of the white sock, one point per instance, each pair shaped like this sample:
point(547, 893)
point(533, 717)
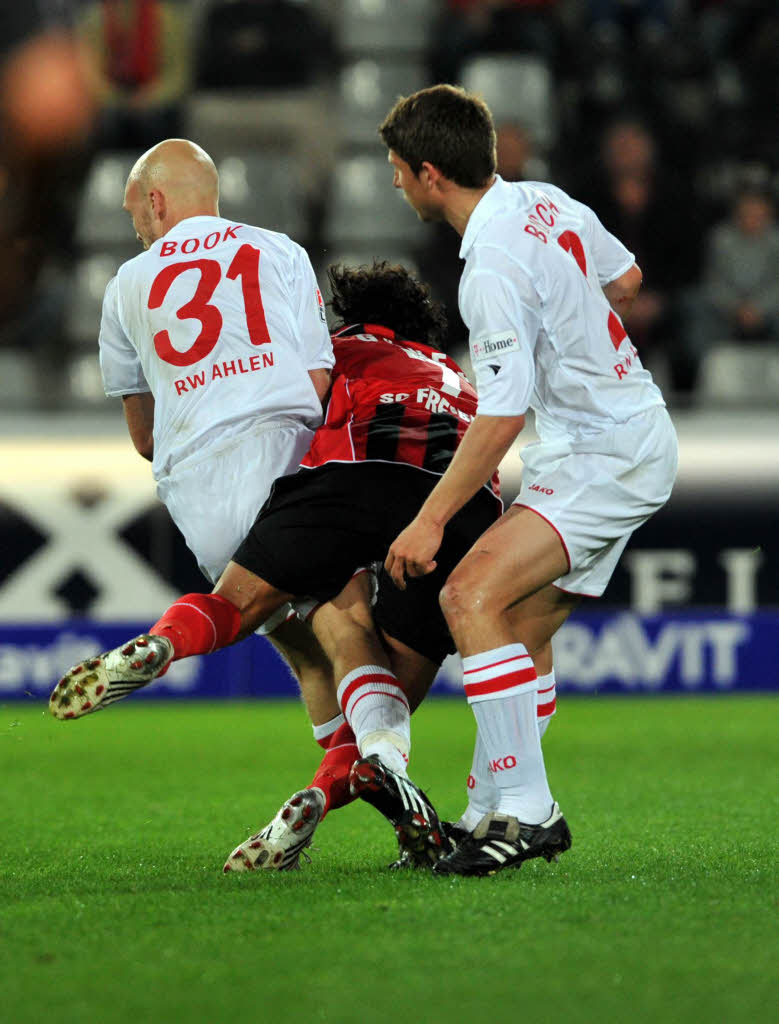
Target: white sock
point(377, 710)
point(483, 794)
point(321, 732)
point(501, 687)
point(546, 701)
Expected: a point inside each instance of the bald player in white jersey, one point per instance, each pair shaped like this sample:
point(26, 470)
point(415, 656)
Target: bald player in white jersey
point(215, 338)
point(542, 291)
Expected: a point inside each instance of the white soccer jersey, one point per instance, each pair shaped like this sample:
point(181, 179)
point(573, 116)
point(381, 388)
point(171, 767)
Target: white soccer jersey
point(542, 333)
point(221, 322)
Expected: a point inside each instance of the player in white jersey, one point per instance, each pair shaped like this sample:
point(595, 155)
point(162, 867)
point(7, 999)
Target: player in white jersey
point(542, 291)
point(215, 338)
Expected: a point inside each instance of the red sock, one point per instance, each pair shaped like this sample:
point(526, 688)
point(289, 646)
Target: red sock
point(332, 775)
point(198, 624)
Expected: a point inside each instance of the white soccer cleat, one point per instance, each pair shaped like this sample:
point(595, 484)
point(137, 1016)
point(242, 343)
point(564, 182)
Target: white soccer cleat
point(279, 845)
point(100, 681)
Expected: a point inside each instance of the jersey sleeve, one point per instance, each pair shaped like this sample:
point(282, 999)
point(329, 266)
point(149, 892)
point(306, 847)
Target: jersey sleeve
point(612, 258)
point(119, 362)
point(503, 325)
point(317, 348)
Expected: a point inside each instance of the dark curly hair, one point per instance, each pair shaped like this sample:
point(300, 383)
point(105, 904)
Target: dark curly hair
point(387, 294)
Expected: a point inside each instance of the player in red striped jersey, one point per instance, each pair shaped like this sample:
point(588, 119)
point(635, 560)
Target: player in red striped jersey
point(397, 412)
point(393, 400)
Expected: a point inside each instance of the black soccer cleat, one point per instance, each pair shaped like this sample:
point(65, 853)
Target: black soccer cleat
point(454, 833)
point(500, 841)
point(421, 841)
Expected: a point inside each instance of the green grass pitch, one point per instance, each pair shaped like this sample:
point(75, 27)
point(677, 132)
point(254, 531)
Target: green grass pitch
point(113, 907)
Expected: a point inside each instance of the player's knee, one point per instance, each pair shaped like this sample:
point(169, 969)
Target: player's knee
point(459, 602)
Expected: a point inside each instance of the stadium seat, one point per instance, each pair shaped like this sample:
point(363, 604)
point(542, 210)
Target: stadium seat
point(102, 223)
point(299, 122)
point(516, 88)
point(19, 380)
point(368, 88)
point(740, 373)
point(90, 277)
point(246, 44)
point(380, 26)
point(84, 382)
point(263, 188)
point(365, 208)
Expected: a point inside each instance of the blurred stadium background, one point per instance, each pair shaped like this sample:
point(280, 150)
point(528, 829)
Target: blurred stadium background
point(660, 113)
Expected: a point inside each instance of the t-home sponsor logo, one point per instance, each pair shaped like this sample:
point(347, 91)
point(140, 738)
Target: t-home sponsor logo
point(493, 345)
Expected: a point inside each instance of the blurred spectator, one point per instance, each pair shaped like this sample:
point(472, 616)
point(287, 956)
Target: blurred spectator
point(262, 44)
point(653, 212)
point(518, 159)
point(739, 298)
point(616, 23)
point(714, 22)
point(140, 56)
point(46, 112)
point(469, 27)
point(756, 47)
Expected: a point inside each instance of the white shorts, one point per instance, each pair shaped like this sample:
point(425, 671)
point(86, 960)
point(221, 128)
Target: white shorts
point(214, 497)
point(597, 491)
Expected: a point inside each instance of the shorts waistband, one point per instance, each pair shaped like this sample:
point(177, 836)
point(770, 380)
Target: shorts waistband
point(205, 449)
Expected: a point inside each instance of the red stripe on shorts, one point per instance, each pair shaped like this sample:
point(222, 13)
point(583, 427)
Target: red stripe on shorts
point(519, 504)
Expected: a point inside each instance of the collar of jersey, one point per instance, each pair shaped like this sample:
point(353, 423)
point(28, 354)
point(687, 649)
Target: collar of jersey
point(493, 200)
point(183, 225)
point(352, 329)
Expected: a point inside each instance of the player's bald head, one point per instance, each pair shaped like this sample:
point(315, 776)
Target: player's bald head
point(181, 169)
point(173, 180)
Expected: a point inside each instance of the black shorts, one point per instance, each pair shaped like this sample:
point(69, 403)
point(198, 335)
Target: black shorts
point(320, 525)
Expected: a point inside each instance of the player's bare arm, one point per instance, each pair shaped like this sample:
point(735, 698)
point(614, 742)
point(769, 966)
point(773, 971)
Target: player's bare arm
point(139, 413)
point(321, 381)
point(622, 291)
point(485, 443)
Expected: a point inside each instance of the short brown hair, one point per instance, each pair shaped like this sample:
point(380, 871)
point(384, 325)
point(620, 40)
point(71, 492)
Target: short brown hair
point(447, 127)
point(389, 295)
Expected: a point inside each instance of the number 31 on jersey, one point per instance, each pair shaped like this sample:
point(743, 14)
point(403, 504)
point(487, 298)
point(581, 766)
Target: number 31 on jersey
point(246, 266)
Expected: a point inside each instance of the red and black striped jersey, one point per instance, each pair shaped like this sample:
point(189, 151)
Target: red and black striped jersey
point(393, 400)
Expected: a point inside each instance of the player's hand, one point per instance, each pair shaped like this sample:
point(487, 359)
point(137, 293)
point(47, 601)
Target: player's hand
point(412, 552)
